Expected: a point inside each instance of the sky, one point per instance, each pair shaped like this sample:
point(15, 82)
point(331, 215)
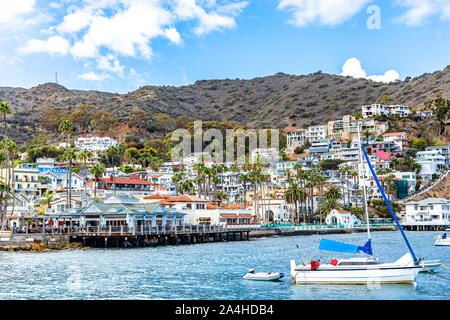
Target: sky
point(121, 45)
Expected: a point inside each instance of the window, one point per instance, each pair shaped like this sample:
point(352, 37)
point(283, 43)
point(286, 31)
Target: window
point(200, 206)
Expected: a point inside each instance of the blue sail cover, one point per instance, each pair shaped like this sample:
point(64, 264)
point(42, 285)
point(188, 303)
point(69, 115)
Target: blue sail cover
point(330, 245)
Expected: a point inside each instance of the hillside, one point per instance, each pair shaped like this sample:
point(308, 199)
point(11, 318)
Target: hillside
point(280, 100)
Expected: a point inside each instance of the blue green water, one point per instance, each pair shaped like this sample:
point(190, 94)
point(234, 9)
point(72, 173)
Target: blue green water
point(209, 271)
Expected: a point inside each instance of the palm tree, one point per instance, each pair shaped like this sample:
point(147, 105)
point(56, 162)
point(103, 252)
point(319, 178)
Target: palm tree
point(83, 156)
point(69, 156)
point(178, 177)
point(66, 127)
point(48, 198)
point(333, 193)
point(186, 186)
point(5, 109)
point(222, 196)
point(199, 168)
point(245, 179)
point(111, 152)
point(97, 171)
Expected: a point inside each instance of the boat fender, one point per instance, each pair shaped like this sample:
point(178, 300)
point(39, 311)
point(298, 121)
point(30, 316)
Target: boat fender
point(334, 262)
point(314, 265)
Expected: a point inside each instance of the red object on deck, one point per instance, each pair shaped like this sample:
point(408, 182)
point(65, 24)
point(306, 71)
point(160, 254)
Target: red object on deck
point(314, 265)
point(334, 262)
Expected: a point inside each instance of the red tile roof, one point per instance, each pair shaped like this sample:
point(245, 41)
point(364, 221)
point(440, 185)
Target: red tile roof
point(126, 181)
point(186, 198)
point(157, 196)
point(394, 133)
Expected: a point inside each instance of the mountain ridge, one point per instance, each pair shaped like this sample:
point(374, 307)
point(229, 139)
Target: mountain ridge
point(279, 100)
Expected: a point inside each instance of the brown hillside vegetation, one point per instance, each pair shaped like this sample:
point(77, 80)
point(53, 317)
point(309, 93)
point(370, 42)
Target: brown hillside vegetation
point(279, 101)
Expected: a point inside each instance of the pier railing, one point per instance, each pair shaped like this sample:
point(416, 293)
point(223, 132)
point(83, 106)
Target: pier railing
point(325, 226)
point(125, 230)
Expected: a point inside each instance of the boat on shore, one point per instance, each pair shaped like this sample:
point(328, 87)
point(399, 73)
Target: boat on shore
point(263, 276)
point(363, 270)
point(442, 240)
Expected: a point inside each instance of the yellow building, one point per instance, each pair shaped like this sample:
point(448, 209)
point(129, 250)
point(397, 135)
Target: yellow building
point(24, 180)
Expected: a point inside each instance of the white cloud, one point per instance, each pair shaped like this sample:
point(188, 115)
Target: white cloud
point(52, 45)
point(111, 64)
point(92, 76)
point(326, 12)
point(352, 67)
point(419, 11)
point(12, 10)
point(104, 31)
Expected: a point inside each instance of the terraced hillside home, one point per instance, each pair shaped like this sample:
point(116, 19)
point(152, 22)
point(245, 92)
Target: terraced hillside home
point(431, 212)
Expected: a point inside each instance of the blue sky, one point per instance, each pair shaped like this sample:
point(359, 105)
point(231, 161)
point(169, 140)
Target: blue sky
point(120, 45)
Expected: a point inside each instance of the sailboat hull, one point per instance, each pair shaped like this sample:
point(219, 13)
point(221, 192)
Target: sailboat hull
point(402, 271)
point(357, 276)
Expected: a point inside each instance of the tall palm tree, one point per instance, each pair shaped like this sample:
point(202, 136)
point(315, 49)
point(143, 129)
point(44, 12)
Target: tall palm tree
point(97, 171)
point(245, 179)
point(69, 156)
point(178, 177)
point(66, 127)
point(199, 168)
point(83, 156)
point(5, 109)
point(111, 152)
point(333, 193)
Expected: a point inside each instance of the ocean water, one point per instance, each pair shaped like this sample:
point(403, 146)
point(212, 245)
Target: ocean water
point(211, 271)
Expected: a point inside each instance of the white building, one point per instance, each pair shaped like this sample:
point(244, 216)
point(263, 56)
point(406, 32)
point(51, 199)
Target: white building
point(398, 138)
point(271, 210)
point(316, 133)
point(377, 109)
point(431, 161)
point(444, 151)
point(270, 155)
point(428, 212)
point(95, 143)
point(296, 138)
point(345, 218)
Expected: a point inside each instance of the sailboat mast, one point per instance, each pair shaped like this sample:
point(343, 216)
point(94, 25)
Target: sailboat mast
point(386, 200)
point(364, 183)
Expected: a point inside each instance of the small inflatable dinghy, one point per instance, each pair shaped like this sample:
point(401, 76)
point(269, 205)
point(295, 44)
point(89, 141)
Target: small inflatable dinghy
point(263, 276)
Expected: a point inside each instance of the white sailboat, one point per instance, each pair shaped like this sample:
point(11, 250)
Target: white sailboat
point(358, 270)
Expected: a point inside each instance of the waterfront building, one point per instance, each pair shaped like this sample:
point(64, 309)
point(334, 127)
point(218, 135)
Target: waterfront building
point(377, 109)
point(95, 143)
point(25, 180)
point(271, 210)
point(347, 127)
point(120, 211)
point(429, 212)
point(342, 217)
point(316, 132)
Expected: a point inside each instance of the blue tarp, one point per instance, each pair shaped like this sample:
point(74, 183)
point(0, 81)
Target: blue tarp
point(330, 245)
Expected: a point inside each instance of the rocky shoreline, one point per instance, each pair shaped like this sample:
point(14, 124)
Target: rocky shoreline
point(37, 247)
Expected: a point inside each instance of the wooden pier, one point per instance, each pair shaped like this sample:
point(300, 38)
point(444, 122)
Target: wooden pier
point(124, 237)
